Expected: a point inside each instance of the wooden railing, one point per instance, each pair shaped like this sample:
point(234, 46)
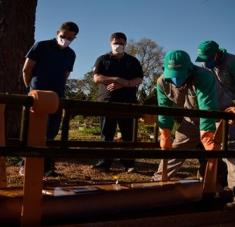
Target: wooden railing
point(32, 143)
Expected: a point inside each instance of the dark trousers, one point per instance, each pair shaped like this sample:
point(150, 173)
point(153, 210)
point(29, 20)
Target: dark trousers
point(52, 131)
point(108, 129)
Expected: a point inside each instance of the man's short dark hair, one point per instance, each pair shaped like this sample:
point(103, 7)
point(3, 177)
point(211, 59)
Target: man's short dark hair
point(70, 26)
point(118, 35)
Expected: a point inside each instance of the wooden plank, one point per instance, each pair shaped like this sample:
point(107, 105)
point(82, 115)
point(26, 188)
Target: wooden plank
point(16, 99)
point(90, 108)
point(79, 202)
point(3, 178)
point(31, 208)
point(45, 102)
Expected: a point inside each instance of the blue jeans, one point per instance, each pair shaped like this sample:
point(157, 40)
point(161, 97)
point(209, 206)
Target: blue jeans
point(53, 127)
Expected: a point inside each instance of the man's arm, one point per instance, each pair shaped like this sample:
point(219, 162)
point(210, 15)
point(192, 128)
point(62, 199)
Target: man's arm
point(114, 83)
point(163, 101)
point(232, 70)
point(206, 98)
point(67, 75)
point(99, 78)
point(27, 71)
point(135, 82)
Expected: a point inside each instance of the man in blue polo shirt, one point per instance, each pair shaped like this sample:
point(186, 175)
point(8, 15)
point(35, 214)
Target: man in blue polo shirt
point(47, 67)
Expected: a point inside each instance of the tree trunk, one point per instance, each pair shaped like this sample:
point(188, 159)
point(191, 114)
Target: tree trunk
point(17, 18)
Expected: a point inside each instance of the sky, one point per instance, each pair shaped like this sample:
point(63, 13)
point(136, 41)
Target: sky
point(172, 24)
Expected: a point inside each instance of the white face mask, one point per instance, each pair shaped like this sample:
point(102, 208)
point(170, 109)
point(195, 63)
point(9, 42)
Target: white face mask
point(117, 49)
point(63, 42)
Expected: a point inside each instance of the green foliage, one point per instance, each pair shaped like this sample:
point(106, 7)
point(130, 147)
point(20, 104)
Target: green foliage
point(88, 128)
point(150, 55)
point(73, 90)
point(13, 160)
point(84, 131)
point(84, 89)
point(84, 128)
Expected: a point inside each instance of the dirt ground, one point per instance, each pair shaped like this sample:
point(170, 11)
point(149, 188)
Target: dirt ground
point(83, 173)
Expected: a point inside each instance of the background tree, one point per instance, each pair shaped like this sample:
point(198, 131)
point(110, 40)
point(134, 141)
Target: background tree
point(150, 55)
point(73, 89)
point(90, 88)
point(84, 89)
point(17, 18)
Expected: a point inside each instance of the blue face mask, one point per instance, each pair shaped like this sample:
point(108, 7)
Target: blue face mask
point(178, 82)
point(210, 64)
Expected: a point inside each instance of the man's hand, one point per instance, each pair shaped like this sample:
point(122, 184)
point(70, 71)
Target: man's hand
point(129, 83)
point(106, 80)
point(207, 139)
point(231, 109)
point(119, 83)
point(114, 86)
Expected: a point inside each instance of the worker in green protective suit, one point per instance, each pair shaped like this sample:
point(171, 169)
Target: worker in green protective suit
point(185, 85)
point(222, 65)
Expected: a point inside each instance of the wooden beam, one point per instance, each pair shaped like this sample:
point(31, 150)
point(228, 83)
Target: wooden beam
point(45, 102)
point(3, 177)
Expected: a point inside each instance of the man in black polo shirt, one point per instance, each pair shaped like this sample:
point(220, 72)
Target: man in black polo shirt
point(47, 67)
point(118, 75)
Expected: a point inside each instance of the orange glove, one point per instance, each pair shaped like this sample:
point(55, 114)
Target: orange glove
point(207, 139)
point(165, 138)
point(231, 109)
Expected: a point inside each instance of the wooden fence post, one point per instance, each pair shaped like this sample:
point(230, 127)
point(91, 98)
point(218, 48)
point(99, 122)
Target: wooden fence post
point(3, 178)
point(45, 102)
